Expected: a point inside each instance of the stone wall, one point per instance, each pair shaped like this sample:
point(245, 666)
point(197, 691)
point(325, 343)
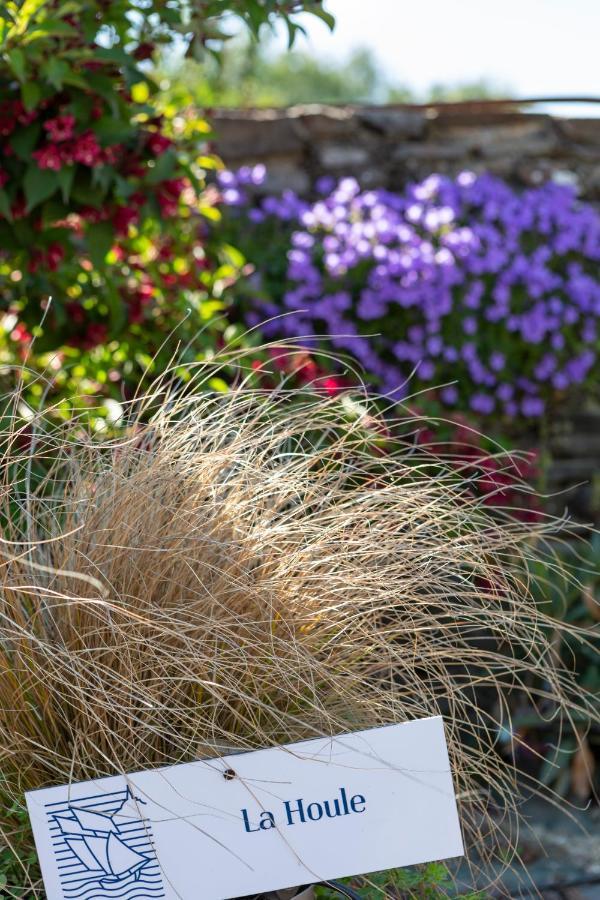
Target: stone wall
point(386, 146)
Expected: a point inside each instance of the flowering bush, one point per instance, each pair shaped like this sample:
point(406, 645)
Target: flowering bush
point(464, 282)
point(104, 245)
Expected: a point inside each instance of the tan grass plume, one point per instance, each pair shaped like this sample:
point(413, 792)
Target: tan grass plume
point(246, 570)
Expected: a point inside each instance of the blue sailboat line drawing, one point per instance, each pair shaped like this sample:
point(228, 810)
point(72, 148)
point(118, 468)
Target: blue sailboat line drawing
point(108, 848)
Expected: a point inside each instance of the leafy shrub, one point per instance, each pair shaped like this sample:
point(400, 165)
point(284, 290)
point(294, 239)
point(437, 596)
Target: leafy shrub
point(386, 554)
point(463, 280)
point(104, 249)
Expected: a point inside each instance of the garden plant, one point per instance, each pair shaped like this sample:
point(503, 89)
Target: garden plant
point(249, 569)
point(106, 263)
point(254, 550)
point(465, 282)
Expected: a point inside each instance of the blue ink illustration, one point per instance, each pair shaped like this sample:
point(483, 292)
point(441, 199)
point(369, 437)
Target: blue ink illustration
point(104, 848)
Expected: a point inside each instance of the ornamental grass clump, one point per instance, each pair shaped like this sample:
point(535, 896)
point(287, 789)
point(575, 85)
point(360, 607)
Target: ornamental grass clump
point(464, 282)
point(247, 570)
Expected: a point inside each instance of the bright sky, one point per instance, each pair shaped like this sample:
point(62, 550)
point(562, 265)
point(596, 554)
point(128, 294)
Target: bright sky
point(534, 47)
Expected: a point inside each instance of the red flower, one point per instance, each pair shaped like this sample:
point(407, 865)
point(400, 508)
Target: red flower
point(3, 177)
point(60, 128)
point(123, 217)
point(145, 292)
point(20, 334)
point(48, 157)
point(332, 385)
point(18, 209)
point(137, 199)
point(168, 195)
point(158, 143)
point(91, 214)
point(35, 261)
point(143, 51)
point(95, 334)
point(76, 313)
point(97, 108)
point(87, 150)
point(134, 167)
point(54, 256)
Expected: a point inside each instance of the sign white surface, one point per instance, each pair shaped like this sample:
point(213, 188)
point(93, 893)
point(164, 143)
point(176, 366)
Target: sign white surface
point(290, 815)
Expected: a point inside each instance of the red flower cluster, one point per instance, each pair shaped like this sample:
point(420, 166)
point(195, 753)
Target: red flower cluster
point(302, 368)
point(60, 128)
point(13, 113)
point(85, 149)
point(50, 258)
point(123, 217)
point(49, 157)
point(138, 299)
point(158, 144)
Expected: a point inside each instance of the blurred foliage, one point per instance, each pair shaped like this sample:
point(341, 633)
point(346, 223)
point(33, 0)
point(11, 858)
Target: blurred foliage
point(249, 76)
point(427, 881)
point(255, 75)
point(566, 584)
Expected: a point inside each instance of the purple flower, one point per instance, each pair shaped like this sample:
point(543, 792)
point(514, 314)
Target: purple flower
point(482, 403)
point(464, 279)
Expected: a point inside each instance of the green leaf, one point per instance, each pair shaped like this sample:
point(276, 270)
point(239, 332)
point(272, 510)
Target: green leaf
point(102, 85)
point(16, 61)
point(103, 176)
point(112, 131)
point(81, 106)
point(31, 95)
point(5, 205)
point(24, 140)
point(99, 238)
point(112, 54)
point(76, 80)
point(54, 26)
point(55, 71)
point(325, 16)
point(39, 184)
point(65, 180)
point(84, 192)
point(162, 168)
point(124, 188)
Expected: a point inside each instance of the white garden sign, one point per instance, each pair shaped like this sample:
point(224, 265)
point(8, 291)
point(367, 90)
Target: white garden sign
point(252, 822)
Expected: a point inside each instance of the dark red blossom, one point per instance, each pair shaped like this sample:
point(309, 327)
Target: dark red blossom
point(96, 333)
point(168, 195)
point(143, 51)
point(19, 208)
point(158, 143)
point(60, 128)
point(20, 334)
point(123, 217)
point(49, 157)
point(87, 150)
point(3, 177)
point(76, 313)
point(54, 256)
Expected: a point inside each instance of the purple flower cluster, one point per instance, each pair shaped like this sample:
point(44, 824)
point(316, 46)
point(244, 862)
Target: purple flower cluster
point(464, 282)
